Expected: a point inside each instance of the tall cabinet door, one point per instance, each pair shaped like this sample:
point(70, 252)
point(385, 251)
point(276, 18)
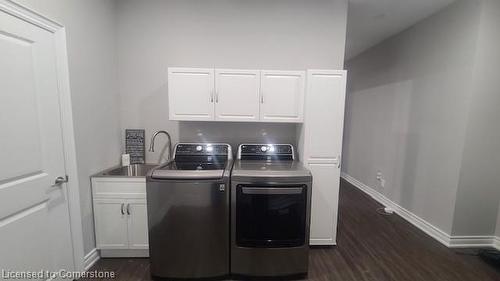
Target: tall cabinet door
point(282, 96)
point(137, 224)
point(191, 94)
point(321, 149)
point(324, 202)
point(237, 95)
point(111, 224)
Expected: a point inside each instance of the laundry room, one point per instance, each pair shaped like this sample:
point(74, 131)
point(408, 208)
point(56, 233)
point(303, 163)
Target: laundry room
point(230, 139)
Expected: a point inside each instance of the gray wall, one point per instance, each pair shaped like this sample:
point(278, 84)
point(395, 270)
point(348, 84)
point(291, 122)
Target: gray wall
point(280, 34)
point(406, 113)
point(497, 232)
point(479, 187)
point(90, 27)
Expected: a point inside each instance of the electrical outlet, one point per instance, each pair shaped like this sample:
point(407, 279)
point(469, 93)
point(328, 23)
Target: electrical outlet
point(380, 179)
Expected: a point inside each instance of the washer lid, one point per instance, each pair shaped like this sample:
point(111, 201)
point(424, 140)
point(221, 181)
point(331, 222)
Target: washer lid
point(187, 174)
point(244, 169)
point(190, 170)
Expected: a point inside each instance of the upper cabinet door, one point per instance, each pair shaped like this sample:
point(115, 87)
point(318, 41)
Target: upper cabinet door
point(325, 103)
point(191, 94)
point(282, 96)
point(237, 95)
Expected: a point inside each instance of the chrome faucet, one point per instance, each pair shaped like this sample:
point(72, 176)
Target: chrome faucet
point(169, 143)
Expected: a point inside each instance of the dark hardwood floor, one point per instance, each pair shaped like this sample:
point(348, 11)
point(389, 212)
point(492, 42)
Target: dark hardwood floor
point(370, 247)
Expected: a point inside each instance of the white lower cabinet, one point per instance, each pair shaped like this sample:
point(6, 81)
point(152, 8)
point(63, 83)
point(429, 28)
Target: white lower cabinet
point(138, 225)
point(110, 224)
point(325, 198)
point(120, 215)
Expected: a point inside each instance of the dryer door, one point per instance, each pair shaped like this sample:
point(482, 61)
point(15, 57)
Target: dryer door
point(271, 216)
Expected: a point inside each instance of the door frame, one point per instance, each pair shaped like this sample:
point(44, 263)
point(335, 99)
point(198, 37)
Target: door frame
point(59, 31)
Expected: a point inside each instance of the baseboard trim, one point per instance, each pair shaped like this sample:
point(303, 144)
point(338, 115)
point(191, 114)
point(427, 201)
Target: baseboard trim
point(322, 242)
point(497, 243)
point(124, 253)
point(436, 233)
point(91, 258)
point(472, 241)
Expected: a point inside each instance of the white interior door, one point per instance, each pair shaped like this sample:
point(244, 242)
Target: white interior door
point(34, 215)
point(191, 94)
point(282, 96)
point(237, 95)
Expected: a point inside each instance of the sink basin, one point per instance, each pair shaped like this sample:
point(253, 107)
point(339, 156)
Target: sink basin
point(134, 170)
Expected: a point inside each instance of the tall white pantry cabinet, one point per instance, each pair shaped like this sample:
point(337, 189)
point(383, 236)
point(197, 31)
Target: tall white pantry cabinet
point(320, 149)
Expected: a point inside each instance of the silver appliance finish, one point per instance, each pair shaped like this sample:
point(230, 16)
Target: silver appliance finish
point(188, 213)
point(274, 175)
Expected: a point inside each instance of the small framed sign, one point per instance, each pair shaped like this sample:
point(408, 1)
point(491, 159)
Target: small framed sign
point(135, 145)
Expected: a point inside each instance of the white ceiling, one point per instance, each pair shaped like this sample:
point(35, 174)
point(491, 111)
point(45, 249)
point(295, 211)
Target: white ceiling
point(370, 22)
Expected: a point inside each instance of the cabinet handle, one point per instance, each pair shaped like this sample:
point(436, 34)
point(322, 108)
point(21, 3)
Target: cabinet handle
point(261, 97)
point(217, 97)
point(212, 96)
point(128, 209)
point(121, 209)
point(338, 159)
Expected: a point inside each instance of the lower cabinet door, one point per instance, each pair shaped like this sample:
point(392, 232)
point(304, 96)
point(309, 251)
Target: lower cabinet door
point(137, 224)
point(111, 224)
point(324, 203)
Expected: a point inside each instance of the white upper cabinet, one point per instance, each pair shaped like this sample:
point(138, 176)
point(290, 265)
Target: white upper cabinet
point(282, 96)
point(191, 94)
point(205, 94)
point(237, 95)
point(325, 102)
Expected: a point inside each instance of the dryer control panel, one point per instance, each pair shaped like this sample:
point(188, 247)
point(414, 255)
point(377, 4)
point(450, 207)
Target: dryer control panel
point(266, 152)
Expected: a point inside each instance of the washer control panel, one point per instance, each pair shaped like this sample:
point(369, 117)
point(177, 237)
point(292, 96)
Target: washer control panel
point(193, 149)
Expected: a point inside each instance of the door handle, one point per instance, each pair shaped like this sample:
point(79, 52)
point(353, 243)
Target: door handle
point(128, 209)
point(121, 209)
point(272, 190)
point(60, 180)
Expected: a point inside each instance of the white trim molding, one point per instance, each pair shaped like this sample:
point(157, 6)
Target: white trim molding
point(471, 241)
point(91, 258)
point(431, 230)
point(322, 242)
point(30, 16)
point(497, 243)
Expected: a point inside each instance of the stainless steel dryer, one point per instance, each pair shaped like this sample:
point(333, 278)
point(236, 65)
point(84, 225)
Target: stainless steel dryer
point(270, 212)
point(188, 212)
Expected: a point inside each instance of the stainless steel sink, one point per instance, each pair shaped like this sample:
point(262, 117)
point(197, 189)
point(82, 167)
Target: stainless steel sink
point(134, 170)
